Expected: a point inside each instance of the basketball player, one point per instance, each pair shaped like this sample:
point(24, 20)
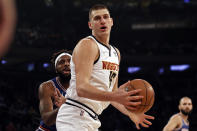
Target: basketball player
point(7, 24)
point(51, 93)
point(94, 80)
point(179, 121)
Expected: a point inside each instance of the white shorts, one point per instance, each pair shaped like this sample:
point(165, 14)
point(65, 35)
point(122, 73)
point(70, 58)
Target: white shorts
point(71, 118)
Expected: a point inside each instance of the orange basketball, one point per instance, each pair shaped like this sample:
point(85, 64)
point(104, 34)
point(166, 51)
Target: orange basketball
point(147, 91)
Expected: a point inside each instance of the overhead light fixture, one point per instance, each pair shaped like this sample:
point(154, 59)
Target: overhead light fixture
point(133, 69)
point(186, 1)
point(3, 62)
point(179, 67)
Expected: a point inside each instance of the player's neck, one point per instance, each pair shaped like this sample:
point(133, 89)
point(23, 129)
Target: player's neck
point(103, 39)
point(185, 117)
point(63, 82)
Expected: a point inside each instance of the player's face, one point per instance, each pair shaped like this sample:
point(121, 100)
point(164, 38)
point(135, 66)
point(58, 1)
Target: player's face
point(63, 65)
point(100, 22)
point(185, 106)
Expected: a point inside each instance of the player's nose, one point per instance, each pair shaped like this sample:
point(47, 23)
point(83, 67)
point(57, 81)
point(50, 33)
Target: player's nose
point(102, 20)
point(67, 63)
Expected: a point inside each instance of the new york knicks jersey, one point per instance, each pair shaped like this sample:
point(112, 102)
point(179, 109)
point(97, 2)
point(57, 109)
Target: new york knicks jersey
point(44, 127)
point(103, 77)
point(184, 127)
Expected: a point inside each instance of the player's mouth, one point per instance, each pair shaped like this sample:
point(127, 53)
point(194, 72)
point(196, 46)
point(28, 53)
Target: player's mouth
point(187, 109)
point(66, 71)
point(103, 28)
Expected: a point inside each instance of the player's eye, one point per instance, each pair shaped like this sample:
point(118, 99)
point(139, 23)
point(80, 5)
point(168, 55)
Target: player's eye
point(62, 61)
point(97, 18)
point(106, 16)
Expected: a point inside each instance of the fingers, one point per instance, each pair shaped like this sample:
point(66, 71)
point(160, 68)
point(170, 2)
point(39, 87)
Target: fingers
point(58, 104)
point(142, 120)
point(137, 126)
point(147, 122)
point(149, 117)
point(58, 92)
point(135, 98)
point(125, 85)
point(133, 103)
point(134, 92)
point(131, 108)
point(144, 125)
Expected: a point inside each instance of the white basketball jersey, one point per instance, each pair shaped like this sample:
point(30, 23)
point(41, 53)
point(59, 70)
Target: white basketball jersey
point(104, 74)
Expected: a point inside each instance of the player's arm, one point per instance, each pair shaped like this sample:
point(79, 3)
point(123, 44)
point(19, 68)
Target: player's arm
point(46, 92)
point(121, 107)
point(173, 123)
point(84, 55)
point(7, 23)
point(136, 118)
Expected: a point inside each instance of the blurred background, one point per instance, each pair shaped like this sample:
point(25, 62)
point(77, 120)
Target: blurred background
point(156, 38)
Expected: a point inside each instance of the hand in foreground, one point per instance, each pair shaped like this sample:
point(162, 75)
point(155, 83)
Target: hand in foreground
point(141, 119)
point(129, 99)
point(59, 99)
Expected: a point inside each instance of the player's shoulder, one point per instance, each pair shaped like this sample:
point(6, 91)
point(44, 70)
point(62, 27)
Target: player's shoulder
point(87, 43)
point(47, 85)
point(86, 40)
point(176, 117)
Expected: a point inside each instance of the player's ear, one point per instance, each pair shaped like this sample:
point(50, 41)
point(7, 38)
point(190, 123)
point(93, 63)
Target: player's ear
point(89, 25)
point(112, 21)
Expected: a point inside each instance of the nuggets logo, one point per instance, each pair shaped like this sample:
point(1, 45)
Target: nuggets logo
point(81, 113)
point(110, 66)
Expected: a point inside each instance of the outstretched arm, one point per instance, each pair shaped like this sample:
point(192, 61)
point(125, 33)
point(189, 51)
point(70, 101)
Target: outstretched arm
point(138, 119)
point(173, 123)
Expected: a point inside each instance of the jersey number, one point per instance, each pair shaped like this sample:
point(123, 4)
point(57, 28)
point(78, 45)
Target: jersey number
point(111, 77)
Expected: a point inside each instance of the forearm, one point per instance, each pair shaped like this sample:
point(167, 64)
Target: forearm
point(169, 128)
point(91, 92)
point(49, 118)
point(121, 108)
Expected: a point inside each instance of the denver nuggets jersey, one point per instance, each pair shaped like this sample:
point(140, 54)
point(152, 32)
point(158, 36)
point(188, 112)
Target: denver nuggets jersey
point(103, 77)
point(44, 127)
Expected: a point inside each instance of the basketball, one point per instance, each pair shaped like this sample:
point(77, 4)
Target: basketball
point(147, 91)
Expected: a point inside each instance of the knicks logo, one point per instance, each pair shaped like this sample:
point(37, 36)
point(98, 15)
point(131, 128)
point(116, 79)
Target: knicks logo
point(110, 66)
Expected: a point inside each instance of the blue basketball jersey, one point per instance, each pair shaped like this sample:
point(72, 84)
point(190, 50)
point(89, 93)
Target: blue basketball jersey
point(44, 127)
point(184, 127)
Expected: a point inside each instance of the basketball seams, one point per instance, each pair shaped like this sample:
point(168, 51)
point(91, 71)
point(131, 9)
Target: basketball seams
point(147, 101)
point(145, 86)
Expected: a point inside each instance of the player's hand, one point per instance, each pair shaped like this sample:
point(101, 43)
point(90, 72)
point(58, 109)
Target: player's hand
point(141, 119)
point(59, 99)
point(129, 99)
